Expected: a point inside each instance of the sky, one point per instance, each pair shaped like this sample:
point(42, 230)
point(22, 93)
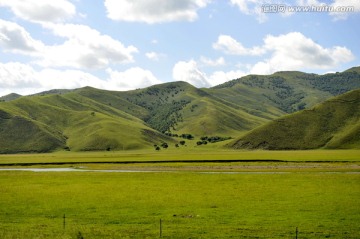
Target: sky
point(129, 44)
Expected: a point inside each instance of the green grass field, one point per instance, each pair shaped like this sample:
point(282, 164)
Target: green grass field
point(191, 152)
point(322, 203)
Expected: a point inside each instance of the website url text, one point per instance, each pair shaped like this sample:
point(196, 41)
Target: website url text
point(282, 8)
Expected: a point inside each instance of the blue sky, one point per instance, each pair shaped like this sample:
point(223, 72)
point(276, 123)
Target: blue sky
point(130, 44)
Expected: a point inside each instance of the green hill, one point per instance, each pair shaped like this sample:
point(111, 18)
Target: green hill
point(332, 124)
point(179, 108)
point(70, 122)
point(9, 97)
point(93, 119)
point(19, 134)
point(286, 92)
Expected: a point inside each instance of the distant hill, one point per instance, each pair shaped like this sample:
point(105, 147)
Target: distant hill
point(287, 91)
point(9, 97)
point(332, 124)
point(179, 107)
point(54, 92)
point(93, 119)
point(229, 109)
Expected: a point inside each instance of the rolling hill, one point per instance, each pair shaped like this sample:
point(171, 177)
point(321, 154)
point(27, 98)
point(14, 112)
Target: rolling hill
point(332, 124)
point(180, 108)
point(9, 97)
point(287, 91)
point(176, 107)
point(229, 109)
point(93, 119)
point(70, 122)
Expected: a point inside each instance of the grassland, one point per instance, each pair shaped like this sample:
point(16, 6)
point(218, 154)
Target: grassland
point(201, 153)
point(332, 124)
point(191, 205)
point(253, 199)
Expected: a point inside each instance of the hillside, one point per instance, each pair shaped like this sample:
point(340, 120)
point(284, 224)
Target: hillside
point(177, 107)
point(332, 124)
point(230, 109)
point(9, 97)
point(287, 91)
point(70, 122)
point(93, 119)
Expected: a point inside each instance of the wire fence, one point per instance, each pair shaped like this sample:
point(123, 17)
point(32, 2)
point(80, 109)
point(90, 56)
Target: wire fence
point(177, 226)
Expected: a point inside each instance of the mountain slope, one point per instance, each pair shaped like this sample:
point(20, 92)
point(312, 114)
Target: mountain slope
point(51, 122)
point(9, 97)
point(286, 92)
point(179, 107)
point(94, 119)
point(332, 124)
point(19, 134)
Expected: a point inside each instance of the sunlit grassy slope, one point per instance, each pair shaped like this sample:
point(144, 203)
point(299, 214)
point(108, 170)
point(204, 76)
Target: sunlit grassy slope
point(92, 119)
point(51, 122)
point(179, 107)
point(230, 109)
point(332, 124)
point(272, 95)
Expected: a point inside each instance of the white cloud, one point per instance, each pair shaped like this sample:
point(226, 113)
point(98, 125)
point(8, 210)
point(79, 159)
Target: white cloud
point(153, 11)
point(190, 72)
point(130, 79)
point(24, 79)
point(41, 10)
point(294, 51)
point(307, 2)
point(242, 5)
point(263, 68)
point(253, 7)
point(340, 10)
point(219, 77)
point(154, 55)
point(16, 75)
point(15, 38)
point(67, 79)
point(343, 14)
point(229, 45)
point(85, 48)
point(209, 62)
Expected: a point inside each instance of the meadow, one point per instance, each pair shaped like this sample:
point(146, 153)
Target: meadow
point(189, 153)
point(232, 200)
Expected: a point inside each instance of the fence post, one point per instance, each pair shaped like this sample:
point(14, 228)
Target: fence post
point(296, 235)
point(160, 228)
point(64, 222)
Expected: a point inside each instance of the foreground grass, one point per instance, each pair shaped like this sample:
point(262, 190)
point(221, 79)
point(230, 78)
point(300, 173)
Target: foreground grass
point(191, 205)
point(183, 154)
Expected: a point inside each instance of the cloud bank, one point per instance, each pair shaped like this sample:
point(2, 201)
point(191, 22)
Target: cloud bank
point(154, 11)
